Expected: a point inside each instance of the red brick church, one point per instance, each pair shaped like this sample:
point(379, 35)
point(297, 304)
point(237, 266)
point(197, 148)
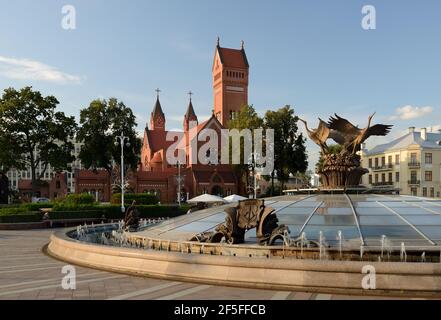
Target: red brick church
point(155, 174)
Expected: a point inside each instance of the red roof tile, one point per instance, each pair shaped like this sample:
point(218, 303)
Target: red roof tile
point(233, 58)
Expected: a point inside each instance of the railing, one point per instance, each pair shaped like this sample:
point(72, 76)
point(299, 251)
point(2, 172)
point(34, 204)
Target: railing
point(414, 164)
point(384, 167)
point(379, 184)
point(414, 182)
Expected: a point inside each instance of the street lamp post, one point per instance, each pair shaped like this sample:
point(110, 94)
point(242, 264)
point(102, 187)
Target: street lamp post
point(179, 181)
point(252, 166)
point(121, 139)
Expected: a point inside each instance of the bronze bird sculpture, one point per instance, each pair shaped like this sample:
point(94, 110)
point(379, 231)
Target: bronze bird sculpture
point(322, 134)
point(354, 135)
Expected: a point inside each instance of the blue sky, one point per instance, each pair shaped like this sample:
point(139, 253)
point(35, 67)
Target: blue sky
point(313, 55)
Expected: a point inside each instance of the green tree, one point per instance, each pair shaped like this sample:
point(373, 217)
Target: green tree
point(100, 123)
point(289, 146)
point(246, 118)
point(33, 134)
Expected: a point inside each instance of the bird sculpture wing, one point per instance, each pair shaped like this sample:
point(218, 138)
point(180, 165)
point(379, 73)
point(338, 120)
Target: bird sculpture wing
point(344, 126)
point(337, 137)
point(378, 130)
point(323, 131)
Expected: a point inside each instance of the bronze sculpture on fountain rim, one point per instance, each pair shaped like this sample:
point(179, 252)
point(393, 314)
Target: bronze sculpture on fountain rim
point(343, 169)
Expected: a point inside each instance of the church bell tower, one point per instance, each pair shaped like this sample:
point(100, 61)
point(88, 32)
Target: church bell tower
point(230, 82)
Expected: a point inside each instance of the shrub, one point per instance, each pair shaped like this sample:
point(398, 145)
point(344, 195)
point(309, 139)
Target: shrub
point(140, 198)
point(79, 199)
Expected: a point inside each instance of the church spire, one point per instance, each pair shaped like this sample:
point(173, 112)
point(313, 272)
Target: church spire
point(190, 115)
point(157, 119)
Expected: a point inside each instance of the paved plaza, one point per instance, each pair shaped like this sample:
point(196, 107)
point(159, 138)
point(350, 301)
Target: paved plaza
point(26, 272)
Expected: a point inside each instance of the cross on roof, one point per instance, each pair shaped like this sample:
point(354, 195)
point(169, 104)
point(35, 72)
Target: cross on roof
point(190, 94)
point(157, 92)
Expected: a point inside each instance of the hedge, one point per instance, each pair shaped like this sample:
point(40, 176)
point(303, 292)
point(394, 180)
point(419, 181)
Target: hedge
point(61, 207)
point(114, 212)
point(21, 214)
point(13, 211)
point(37, 206)
point(86, 214)
point(140, 198)
point(21, 218)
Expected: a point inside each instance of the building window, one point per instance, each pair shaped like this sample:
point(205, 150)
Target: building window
point(376, 163)
point(424, 192)
point(413, 176)
point(370, 163)
point(383, 161)
point(58, 185)
point(370, 179)
point(376, 178)
point(397, 177)
point(432, 192)
point(389, 160)
point(413, 157)
point(383, 177)
point(390, 177)
point(428, 158)
point(397, 159)
point(428, 176)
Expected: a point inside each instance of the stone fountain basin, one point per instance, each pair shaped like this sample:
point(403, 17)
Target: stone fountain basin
point(273, 272)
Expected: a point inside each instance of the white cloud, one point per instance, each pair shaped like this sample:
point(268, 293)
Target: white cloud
point(26, 69)
point(410, 112)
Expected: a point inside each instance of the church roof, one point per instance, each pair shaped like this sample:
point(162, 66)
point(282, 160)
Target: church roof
point(157, 158)
point(233, 58)
point(157, 110)
point(157, 139)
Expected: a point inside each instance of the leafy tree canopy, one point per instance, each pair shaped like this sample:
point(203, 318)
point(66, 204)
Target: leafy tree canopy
point(33, 134)
point(101, 123)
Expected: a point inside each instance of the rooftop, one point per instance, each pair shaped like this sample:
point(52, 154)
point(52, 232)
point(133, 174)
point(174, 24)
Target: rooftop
point(431, 140)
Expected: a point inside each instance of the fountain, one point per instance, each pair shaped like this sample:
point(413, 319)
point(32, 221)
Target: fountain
point(303, 241)
point(322, 245)
point(340, 240)
point(403, 254)
point(383, 243)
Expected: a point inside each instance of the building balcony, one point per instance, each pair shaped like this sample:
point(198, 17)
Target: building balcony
point(414, 182)
point(383, 184)
point(414, 164)
point(385, 167)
